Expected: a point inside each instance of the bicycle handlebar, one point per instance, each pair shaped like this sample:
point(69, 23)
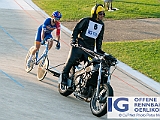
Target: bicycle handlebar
point(51, 39)
point(47, 40)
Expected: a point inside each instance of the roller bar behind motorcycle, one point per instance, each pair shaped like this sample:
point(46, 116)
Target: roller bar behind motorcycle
point(90, 81)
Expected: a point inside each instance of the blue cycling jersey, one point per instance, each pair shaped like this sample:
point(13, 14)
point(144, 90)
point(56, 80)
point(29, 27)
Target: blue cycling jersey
point(48, 34)
point(48, 23)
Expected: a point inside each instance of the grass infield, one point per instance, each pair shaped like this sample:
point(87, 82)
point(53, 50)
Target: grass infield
point(141, 55)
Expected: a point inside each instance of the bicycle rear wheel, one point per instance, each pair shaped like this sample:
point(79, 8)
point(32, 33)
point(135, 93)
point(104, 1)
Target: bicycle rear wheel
point(42, 68)
point(30, 67)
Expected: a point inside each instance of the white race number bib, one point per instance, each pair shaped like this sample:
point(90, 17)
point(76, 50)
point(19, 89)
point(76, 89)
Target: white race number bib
point(93, 29)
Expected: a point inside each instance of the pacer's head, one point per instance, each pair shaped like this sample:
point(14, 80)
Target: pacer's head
point(98, 12)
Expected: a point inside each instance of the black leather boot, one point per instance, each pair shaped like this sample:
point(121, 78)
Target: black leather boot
point(64, 79)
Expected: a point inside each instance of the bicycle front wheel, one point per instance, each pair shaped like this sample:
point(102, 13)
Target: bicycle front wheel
point(42, 68)
point(29, 67)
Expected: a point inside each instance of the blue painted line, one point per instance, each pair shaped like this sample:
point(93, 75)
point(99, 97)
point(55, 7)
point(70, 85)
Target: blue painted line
point(13, 38)
point(11, 78)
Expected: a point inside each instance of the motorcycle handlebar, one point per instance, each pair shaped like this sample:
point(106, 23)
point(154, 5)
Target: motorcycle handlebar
point(98, 55)
point(93, 54)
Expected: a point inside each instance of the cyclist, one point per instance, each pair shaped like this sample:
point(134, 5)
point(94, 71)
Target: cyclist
point(86, 33)
point(44, 32)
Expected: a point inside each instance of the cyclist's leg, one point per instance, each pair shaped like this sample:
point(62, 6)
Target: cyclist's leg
point(37, 41)
point(37, 44)
point(37, 47)
point(50, 44)
point(74, 55)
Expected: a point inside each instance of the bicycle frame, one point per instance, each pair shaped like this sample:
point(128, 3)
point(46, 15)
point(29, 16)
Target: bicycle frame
point(44, 54)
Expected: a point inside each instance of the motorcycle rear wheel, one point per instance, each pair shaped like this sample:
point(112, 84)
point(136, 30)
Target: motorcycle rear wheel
point(64, 90)
point(98, 107)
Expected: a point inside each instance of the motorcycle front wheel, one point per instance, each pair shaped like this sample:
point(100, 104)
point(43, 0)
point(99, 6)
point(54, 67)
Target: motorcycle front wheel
point(98, 105)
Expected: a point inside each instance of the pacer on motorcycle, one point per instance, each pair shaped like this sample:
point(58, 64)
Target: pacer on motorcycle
point(88, 33)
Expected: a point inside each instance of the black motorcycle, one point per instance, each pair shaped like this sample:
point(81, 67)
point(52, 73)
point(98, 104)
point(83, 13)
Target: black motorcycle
point(90, 81)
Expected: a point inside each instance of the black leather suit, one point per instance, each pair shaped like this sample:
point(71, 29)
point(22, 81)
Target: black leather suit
point(79, 36)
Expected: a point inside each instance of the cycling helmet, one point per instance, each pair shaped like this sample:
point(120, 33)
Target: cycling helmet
point(96, 9)
point(57, 14)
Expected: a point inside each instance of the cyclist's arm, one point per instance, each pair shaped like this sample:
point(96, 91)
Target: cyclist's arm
point(46, 22)
point(49, 28)
point(58, 38)
point(58, 30)
point(42, 34)
point(45, 27)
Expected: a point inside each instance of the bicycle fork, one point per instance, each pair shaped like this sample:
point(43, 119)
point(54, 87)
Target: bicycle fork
point(37, 56)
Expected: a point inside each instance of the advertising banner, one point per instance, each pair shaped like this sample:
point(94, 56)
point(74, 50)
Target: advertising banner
point(133, 107)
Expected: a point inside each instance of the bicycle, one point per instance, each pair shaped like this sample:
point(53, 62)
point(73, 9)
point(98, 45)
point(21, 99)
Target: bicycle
point(42, 61)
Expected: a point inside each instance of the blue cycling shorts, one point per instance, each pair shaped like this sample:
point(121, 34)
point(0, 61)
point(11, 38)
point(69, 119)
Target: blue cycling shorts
point(38, 35)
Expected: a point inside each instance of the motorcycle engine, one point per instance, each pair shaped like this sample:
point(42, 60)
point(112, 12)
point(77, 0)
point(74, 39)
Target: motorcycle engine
point(82, 78)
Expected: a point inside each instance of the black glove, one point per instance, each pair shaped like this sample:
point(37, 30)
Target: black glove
point(73, 42)
point(112, 60)
point(43, 42)
point(58, 45)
